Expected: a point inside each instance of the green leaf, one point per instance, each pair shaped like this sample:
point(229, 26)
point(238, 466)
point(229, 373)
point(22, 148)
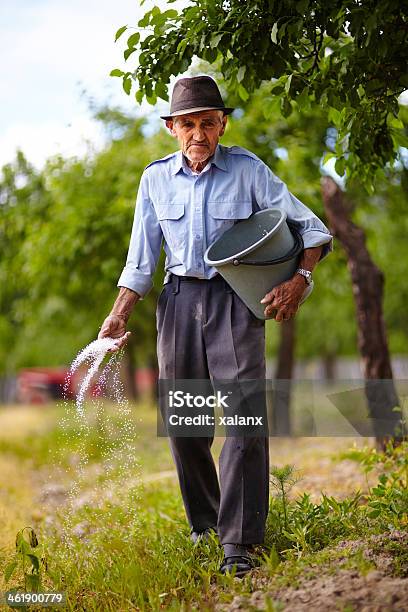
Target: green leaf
point(127, 85)
point(120, 32)
point(335, 116)
point(33, 582)
point(116, 72)
point(286, 107)
point(128, 52)
point(241, 73)
point(161, 90)
point(139, 96)
point(277, 91)
point(144, 21)
point(32, 537)
point(399, 138)
point(158, 20)
point(152, 99)
point(191, 14)
point(379, 491)
point(287, 84)
point(271, 108)
point(34, 562)
point(242, 92)
point(210, 55)
point(333, 504)
point(360, 91)
point(327, 156)
point(181, 46)
point(133, 40)
point(215, 40)
point(278, 84)
point(171, 14)
point(22, 546)
point(340, 166)
point(274, 33)
point(9, 570)
point(303, 100)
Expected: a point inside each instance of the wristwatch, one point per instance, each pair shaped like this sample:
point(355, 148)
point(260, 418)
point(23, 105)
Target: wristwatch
point(306, 273)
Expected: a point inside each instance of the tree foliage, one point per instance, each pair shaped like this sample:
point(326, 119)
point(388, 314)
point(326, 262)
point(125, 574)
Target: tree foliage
point(346, 56)
point(65, 233)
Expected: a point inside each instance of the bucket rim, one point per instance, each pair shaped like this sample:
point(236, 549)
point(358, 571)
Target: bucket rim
point(260, 242)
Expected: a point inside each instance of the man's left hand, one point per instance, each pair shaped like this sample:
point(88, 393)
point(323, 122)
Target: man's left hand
point(285, 298)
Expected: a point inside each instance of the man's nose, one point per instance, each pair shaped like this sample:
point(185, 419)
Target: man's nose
point(198, 134)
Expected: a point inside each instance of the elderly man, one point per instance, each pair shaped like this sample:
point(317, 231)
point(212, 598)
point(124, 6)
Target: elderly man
point(186, 201)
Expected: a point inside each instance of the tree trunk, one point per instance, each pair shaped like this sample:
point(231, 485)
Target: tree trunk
point(281, 423)
point(329, 366)
point(367, 281)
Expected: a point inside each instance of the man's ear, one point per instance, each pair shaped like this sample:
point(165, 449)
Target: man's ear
point(170, 126)
point(224, 124)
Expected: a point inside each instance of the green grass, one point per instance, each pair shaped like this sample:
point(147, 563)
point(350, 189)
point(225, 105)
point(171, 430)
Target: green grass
point(124, 545)
point(56, 435)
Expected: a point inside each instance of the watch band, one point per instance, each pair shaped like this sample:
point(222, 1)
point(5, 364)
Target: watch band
point(306, 273)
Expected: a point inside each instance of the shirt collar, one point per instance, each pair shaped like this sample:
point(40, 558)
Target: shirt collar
point(218, 160)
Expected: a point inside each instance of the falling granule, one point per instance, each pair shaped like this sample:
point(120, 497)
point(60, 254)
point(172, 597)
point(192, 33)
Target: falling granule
point(111, 479)
point(92, 354)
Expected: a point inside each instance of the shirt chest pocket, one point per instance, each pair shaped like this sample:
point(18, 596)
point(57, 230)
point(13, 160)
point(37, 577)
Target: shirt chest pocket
point(224, 214)
point(173, 223)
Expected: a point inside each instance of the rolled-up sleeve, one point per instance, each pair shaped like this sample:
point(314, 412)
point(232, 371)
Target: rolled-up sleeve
point(145, 244)
point(271, 192)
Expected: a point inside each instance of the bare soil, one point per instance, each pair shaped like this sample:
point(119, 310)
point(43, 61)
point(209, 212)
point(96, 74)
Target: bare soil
point(382, 587)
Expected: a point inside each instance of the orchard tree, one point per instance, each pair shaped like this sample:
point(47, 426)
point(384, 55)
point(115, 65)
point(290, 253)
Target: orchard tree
point(64, 233)
point(24, 201)
point(345, 56)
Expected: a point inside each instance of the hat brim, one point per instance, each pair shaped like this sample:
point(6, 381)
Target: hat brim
point(225, 109)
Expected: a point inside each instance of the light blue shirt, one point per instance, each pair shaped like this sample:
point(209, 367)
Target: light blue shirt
point(187, 212)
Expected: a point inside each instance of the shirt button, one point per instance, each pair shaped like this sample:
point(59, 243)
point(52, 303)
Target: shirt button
point(198, 236)
point(199, 264)
point(198, 209)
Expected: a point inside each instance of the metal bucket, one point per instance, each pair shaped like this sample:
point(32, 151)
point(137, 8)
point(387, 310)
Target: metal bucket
point(256, 255)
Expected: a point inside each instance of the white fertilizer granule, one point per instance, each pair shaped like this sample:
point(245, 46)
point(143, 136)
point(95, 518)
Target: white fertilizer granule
point(93, 355)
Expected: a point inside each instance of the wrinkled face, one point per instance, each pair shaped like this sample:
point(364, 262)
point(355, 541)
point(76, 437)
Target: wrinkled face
point(198, 133)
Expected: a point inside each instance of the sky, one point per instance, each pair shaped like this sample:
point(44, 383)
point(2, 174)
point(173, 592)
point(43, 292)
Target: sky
point(52, 52)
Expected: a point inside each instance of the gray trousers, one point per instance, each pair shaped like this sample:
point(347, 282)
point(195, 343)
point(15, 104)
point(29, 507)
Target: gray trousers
point(206, 332)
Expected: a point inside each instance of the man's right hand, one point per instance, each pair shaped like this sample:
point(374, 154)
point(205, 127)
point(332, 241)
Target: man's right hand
point(115, 327)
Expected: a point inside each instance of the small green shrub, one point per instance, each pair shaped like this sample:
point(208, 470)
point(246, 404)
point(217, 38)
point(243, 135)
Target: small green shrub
point(301, 526)
point(29, 561)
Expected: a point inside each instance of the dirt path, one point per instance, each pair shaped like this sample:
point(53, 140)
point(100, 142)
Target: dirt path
point(382, 587)
point(315, 459)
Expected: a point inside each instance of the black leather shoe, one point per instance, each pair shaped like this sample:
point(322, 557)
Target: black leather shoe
point(240, 563)
point(197, 536)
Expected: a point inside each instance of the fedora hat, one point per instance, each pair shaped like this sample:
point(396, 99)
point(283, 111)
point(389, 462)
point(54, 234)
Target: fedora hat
point(194, 94)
